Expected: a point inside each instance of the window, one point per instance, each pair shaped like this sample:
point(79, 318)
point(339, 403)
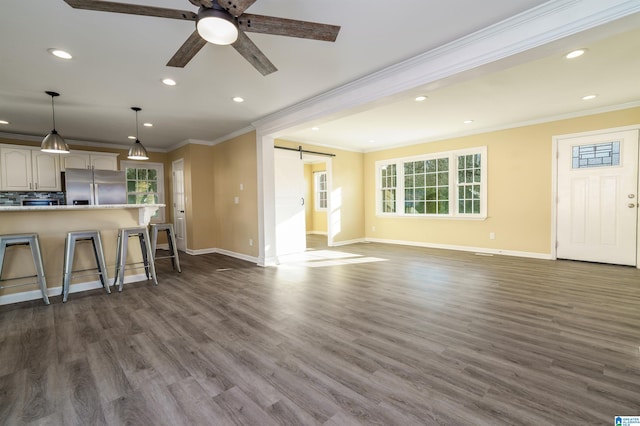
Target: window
point(446, 184)
point(145, 185)
point(320, 185)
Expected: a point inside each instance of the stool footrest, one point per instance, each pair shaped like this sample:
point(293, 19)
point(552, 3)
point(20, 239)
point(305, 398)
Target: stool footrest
point(18, 278)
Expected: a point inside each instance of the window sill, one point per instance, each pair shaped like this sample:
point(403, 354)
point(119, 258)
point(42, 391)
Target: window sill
point(436, 217)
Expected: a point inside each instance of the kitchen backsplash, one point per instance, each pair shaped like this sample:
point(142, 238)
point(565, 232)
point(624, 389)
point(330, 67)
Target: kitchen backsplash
point(15, 198)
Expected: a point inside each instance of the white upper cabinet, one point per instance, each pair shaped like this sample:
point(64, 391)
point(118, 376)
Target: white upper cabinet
point(88, 160)
point(28, 169)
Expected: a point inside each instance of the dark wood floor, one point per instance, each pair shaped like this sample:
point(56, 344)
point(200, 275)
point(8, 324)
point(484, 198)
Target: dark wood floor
point(364, 334)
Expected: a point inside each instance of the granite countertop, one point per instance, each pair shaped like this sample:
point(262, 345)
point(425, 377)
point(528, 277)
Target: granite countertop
point(65, 207)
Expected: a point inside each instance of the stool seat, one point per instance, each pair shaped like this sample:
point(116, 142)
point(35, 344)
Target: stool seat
point(171, 239)
point(69, 250)
point(33, 242)
point(121, 256)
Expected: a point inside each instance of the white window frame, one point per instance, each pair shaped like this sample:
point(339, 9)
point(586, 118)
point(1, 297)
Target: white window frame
point(453, 184)
point(159, 168)
point(317, 192)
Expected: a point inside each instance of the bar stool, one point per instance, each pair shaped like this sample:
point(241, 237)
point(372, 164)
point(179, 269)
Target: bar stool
point(69, 250)
point(171, 238)
point(32, 241)
point(121, 256)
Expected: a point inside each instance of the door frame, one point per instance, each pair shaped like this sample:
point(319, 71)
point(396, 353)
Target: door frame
point(309, 158)
point(173, 200)
point(554, 184)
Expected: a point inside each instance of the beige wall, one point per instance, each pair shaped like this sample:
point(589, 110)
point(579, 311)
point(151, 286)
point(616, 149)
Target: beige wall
point(519, 187)
point(347, 191)
point(213, 175)
point(235, 164)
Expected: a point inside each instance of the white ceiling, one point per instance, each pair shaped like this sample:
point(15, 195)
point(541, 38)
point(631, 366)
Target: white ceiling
point(119, 62)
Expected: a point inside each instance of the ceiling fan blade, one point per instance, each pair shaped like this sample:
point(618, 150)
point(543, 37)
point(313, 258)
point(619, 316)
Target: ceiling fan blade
point(187, 51)
point(132, 9)
point(236, 7)
point(288, 27)
point(251, 53)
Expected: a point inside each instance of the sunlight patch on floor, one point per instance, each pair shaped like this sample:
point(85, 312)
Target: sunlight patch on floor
point(321, 258)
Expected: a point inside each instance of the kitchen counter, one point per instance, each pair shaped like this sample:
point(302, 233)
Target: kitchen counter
point(145, 210)
point(52, 223)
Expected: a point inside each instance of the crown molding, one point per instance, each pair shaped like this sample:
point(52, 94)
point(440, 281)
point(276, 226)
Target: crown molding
point(32, 138)
point(538, 26)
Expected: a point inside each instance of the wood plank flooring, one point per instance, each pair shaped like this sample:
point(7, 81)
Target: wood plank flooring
point(361, 334)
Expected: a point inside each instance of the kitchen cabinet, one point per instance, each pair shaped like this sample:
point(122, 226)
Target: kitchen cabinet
point(89, 160)
point(28, 169)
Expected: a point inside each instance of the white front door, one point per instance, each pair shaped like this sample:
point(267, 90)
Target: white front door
point(289, 195)
point(598, 198)
point(179, 216)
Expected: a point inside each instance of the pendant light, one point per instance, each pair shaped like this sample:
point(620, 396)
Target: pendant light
point(137, 151)
point(53, 142)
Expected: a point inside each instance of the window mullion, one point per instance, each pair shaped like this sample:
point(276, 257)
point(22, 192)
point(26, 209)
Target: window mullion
point(400, 188)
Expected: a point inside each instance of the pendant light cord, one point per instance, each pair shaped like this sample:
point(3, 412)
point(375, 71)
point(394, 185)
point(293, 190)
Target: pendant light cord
point(137, 126)
point(53, 113)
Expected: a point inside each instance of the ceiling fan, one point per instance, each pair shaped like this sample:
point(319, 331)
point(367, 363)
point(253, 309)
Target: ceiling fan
point(221, 22)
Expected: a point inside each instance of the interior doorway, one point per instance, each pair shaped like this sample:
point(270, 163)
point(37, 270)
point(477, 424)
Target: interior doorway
point(179, 215)
point(295, 201)
point(317, 212)
point(597, 197)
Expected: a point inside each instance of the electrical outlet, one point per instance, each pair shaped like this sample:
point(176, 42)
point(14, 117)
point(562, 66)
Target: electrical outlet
point(373, 229)
point(241, 187)
point(492, 235)
point(236, 200)
point(251, 242)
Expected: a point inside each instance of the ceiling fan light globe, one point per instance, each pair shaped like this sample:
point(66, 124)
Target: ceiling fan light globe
point(217, 27)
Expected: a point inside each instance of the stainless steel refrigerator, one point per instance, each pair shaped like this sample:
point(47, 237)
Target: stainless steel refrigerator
point(86, 186)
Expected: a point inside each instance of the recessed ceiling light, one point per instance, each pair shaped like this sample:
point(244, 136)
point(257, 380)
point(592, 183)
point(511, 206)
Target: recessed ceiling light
point(169, 82)
point(468, 121)
point(372, 140)
point(238, 99)
point(589, 97)
point(131, 137)
point(420, 98)
point(60, 53)
point(315, 128)
point(575, 54)
point(148, 124)
point(4, 122)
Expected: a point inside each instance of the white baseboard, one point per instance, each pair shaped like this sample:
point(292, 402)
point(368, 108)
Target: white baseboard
point(317, 233)
point(347, 242)
point(163, 246)
point(57, 291)
point(483, 250)
point(240, 256)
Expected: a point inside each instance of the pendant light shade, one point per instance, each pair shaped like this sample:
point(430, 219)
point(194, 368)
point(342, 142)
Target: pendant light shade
point(216, 25)
point(53, 142)
point(137, 151)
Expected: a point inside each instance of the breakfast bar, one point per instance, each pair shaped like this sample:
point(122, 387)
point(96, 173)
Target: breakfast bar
point(52, 223)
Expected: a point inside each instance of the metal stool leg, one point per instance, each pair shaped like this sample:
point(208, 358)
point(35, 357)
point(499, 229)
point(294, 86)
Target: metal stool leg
point(69, 248)
point(124, 243)
point(173, 247)
point(37, 259)
point(145, 252)
point(150, 261)
point(102, 265)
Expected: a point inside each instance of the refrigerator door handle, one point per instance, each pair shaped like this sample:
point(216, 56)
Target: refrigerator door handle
point(93, 193)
